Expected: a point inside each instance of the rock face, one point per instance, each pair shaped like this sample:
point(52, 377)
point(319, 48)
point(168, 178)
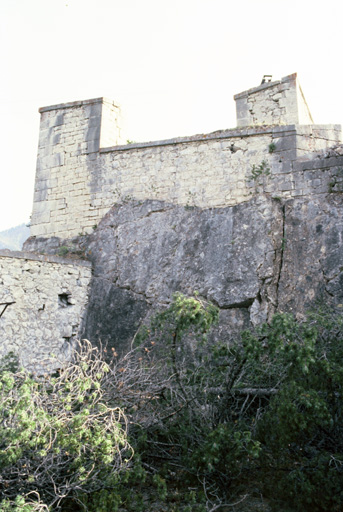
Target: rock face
point(251, 260)
point(143, 253)
point(312, 268)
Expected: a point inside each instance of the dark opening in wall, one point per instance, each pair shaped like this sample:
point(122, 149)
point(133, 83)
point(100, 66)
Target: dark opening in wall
point(64, 300)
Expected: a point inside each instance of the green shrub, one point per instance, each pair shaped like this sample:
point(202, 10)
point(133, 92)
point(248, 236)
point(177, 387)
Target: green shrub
point(63, 250)
point(28, 503)
point(209, 421)
point(265, 409)
point(302, 429)
point(59, 437)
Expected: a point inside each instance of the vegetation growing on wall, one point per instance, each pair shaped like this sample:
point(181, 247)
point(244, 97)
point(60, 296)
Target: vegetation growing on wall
point(212, 424)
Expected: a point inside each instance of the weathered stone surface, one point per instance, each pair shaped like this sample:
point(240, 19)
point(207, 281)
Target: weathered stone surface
point(81, 167)
point(279, 102)
point(251, 218)
point(42, 302)
point(113, 315)
point(312, 268)
point(144, 252)
point(251, 260)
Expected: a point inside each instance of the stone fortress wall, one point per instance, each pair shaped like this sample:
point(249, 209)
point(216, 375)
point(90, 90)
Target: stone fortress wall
point(82, 171)
point(42, 302)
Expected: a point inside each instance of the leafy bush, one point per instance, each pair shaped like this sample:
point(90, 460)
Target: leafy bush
point(302, 429)
point(59, 437)
point(209, 422)
point(264, 412)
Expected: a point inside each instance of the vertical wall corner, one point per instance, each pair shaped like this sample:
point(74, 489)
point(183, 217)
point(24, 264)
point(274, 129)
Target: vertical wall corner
point(304, 114)
point(110, 131)
point(273, 103)
point(71, 135)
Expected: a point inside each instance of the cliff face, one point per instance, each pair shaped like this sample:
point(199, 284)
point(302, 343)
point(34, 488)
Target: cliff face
point(312, 268)
point(143, 253)
point(251, 260)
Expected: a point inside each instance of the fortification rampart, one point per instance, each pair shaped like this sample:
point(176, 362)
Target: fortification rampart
point(82, 171)
point(42, 302)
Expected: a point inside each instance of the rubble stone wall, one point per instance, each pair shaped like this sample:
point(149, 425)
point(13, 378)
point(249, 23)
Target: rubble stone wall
point(42, 302)
point(276, 103)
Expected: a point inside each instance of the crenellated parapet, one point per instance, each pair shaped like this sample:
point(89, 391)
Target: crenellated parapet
point(83, 168)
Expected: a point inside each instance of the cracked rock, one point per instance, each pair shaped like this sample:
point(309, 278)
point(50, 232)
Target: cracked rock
point(154, 249)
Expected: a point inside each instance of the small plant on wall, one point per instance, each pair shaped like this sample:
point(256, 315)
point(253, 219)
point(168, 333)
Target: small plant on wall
point(191, 200)
point(120, 198)
point(259, 175)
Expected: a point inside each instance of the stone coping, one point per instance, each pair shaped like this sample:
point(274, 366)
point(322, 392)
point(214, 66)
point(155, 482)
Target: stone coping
point(72, 104)
point(217, 135)
point(275, 130)
point(47, 258)
point(266, 85)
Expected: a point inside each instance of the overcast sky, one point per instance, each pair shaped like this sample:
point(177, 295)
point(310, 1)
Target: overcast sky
point(173, 66)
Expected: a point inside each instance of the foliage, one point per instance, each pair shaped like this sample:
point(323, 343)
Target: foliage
point(265, 410)
point(262, 169)
point(189, 416)
point(58, 435)
point(210, 421)
point(302, 430)
point(63, 250)
point(29, 503)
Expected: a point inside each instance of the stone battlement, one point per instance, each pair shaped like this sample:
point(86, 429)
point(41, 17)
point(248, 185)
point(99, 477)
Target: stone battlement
point(83, 168)
point(280, 102)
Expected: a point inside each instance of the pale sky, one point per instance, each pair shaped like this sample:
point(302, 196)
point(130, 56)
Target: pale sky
point(173, 66)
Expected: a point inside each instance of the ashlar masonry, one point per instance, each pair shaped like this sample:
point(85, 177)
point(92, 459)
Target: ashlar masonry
point(83, 168)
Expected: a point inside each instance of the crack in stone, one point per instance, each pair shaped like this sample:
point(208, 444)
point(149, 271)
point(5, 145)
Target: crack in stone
point(236, 305)
point(128, 288)
point(5, 306)
point(327, 279)
point(282, 249)
point(162, 210)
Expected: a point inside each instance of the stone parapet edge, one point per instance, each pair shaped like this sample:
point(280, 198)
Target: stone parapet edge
point(266, 85)
point(72, 104)
point(47, 258)
point(223, 134)
point(320, 163)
